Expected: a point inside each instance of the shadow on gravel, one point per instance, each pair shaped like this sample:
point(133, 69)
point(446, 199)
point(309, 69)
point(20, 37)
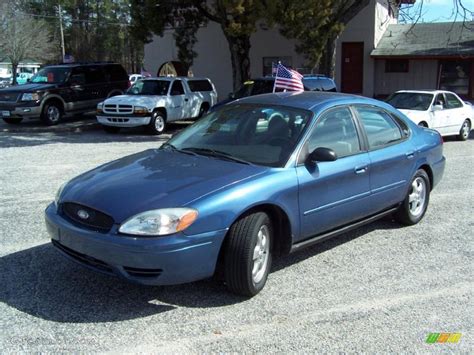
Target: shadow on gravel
point(82, 129)
point(386, 223)
point(42, 283)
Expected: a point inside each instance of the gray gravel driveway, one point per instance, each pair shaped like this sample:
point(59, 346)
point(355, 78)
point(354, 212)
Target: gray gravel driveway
point(383, 287)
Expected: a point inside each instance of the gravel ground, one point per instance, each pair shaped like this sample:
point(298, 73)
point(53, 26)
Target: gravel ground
point(383, 287)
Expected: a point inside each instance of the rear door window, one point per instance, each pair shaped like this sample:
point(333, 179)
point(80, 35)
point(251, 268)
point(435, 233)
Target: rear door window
point(380, 127)
point(452, 101)
point(199, 85)
point(177, 88)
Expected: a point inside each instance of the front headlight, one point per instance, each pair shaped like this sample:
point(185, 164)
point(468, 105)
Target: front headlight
point(159, 222)
point(140, 110)
point(30, 96)
point(58, 194)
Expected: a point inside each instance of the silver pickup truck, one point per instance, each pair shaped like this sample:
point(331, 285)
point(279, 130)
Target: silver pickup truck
point(153, 102)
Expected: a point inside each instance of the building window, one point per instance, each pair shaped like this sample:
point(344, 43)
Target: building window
point(267, 63)
point(396, 66)
point(454, 76)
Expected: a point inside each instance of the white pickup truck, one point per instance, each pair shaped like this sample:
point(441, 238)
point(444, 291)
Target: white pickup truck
point(152, 102)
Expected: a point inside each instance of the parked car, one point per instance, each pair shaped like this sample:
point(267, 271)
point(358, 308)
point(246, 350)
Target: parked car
point(5, 82)
point(264, 85)
point(132, 78)
point(153, 102)
point(63, 89)
point(263, 176)
point(437, 109)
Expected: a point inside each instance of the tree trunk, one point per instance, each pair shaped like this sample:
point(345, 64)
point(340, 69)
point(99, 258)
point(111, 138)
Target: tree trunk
point(239, 54)
point(327, 64)
point(14, 68)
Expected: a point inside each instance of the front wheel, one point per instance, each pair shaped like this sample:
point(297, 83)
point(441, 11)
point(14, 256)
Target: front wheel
point(465, 130)
point(248, 254)
point(51, 114)
point(157, 123)
point(416, 202)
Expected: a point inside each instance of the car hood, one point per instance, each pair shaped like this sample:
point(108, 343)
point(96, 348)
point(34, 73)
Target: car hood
point(137, 100)
point(153, 179)
point(31, 87)
point(415, 115)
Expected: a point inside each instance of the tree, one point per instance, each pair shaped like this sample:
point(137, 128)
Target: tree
point(23, 37)
point(238, 20)
point(315, 24)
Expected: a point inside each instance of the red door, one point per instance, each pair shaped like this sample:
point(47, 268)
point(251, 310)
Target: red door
point(352, 67)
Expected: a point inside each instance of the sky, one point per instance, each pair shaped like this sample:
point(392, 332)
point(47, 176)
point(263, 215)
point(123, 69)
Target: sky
point(441, 10)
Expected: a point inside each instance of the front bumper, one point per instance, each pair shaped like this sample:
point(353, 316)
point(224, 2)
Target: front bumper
point(19, 110)
point(438, 170)
point(167, 260)
point(125, 121)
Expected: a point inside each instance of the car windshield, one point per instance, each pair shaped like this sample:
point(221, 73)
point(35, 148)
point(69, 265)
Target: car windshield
point(51, 75)
point(255, 134)
point(410, 101)
point(149, 87)
point(255, 87)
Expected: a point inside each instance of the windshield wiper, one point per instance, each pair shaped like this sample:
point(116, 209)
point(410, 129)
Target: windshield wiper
point(217, 153)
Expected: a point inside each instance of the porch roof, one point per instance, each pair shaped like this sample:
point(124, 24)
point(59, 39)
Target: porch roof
point(427, 40)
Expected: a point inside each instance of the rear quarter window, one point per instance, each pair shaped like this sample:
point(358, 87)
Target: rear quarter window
point(199, 85)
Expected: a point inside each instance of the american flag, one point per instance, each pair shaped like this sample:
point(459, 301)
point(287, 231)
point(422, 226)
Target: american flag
point(288, 79)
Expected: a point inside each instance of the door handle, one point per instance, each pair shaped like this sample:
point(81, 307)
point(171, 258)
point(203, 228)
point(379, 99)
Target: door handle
point(186, 99)
point(410, 155)
point(360, 169)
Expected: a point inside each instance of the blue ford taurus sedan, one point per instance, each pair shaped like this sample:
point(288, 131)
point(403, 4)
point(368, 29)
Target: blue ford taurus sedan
point(259, 177)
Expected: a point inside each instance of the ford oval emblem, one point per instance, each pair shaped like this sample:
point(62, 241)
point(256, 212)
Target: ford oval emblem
point(82, 214)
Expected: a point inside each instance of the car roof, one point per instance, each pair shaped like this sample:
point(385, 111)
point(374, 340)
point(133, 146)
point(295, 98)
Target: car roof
point(426, 91)
point(306, 99)
point(73, 65)
point(169, 78)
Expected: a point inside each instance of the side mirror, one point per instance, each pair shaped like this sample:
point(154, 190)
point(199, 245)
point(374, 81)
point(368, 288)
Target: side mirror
point(437, 107)
point(231, 96)
point(322, 154)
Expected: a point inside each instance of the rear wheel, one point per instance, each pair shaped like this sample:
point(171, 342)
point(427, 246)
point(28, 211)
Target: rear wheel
point(248, 254)
point(203, 110)
point(111, 129)
point(416, 202)
point(465, 130)
point(157, 123)
point(12, 120)
point(52, 114)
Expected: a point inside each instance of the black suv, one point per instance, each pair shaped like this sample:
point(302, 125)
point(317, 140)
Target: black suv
point(62, 89)
point(311, 82)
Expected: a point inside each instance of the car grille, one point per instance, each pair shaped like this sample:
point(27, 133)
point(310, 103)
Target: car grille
point(83, 259)
point(123, 109)
point(91, 219)
point(8, 97)
point(118, 120)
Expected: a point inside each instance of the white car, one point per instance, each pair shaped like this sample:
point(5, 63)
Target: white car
point(132, 78)
point(153, 102)
point(441, 110)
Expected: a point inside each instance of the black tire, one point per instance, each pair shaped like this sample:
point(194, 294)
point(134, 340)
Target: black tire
point(157, 123)
point(52, 113)
point(416, 201)
point(242, 243)
point(13, 120)
point(465, 130)
point(111, 129)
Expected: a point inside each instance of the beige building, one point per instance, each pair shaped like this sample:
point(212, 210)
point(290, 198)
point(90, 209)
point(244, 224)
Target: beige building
point(360, 67)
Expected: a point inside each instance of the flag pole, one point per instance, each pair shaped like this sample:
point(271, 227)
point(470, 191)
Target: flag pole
point(276, 76)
